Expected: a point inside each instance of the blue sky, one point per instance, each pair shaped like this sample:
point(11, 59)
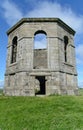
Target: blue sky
point(70, 11)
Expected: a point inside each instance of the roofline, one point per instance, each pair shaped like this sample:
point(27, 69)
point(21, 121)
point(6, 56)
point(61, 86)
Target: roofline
point(23, 20)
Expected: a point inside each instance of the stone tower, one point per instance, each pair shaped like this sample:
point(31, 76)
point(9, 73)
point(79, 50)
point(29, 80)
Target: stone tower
point(50, 70)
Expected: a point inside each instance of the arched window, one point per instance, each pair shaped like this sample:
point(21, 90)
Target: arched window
point(65, 47)
point(14, 49)
point(40, 41)
point(40, 50)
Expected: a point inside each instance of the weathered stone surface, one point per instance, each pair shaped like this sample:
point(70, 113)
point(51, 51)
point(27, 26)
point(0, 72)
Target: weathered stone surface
point(40, 58)
point(41, 70)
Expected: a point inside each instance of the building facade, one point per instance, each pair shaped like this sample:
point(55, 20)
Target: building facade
point(34, 71)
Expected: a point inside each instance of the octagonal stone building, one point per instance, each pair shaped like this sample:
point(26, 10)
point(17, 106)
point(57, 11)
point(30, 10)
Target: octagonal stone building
point(34, 71)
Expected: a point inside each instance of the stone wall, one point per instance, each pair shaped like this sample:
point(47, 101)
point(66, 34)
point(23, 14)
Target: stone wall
point(60, 76)
point(40, 58)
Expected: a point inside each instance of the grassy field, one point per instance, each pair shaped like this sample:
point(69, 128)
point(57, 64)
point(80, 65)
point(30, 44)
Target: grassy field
point(1, 91)
point(46, 113)
point(81, 91)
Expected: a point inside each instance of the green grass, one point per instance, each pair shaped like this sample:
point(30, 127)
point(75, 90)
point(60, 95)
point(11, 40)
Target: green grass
point(81, 91)
point(1, 92)
point(46, 113)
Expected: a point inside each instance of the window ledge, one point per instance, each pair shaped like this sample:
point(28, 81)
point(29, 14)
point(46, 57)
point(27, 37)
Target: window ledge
point(13, 64)
point(66, 63)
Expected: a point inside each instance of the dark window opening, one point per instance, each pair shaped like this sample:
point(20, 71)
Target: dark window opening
point(65, 47)
point(41, 80)
point(14, 50)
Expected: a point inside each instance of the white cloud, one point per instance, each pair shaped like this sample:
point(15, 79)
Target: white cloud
point(79, 50)
point(40, 44)
point(40, 41)
point(53, 9)
point(11, 12)
point(79, 61)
